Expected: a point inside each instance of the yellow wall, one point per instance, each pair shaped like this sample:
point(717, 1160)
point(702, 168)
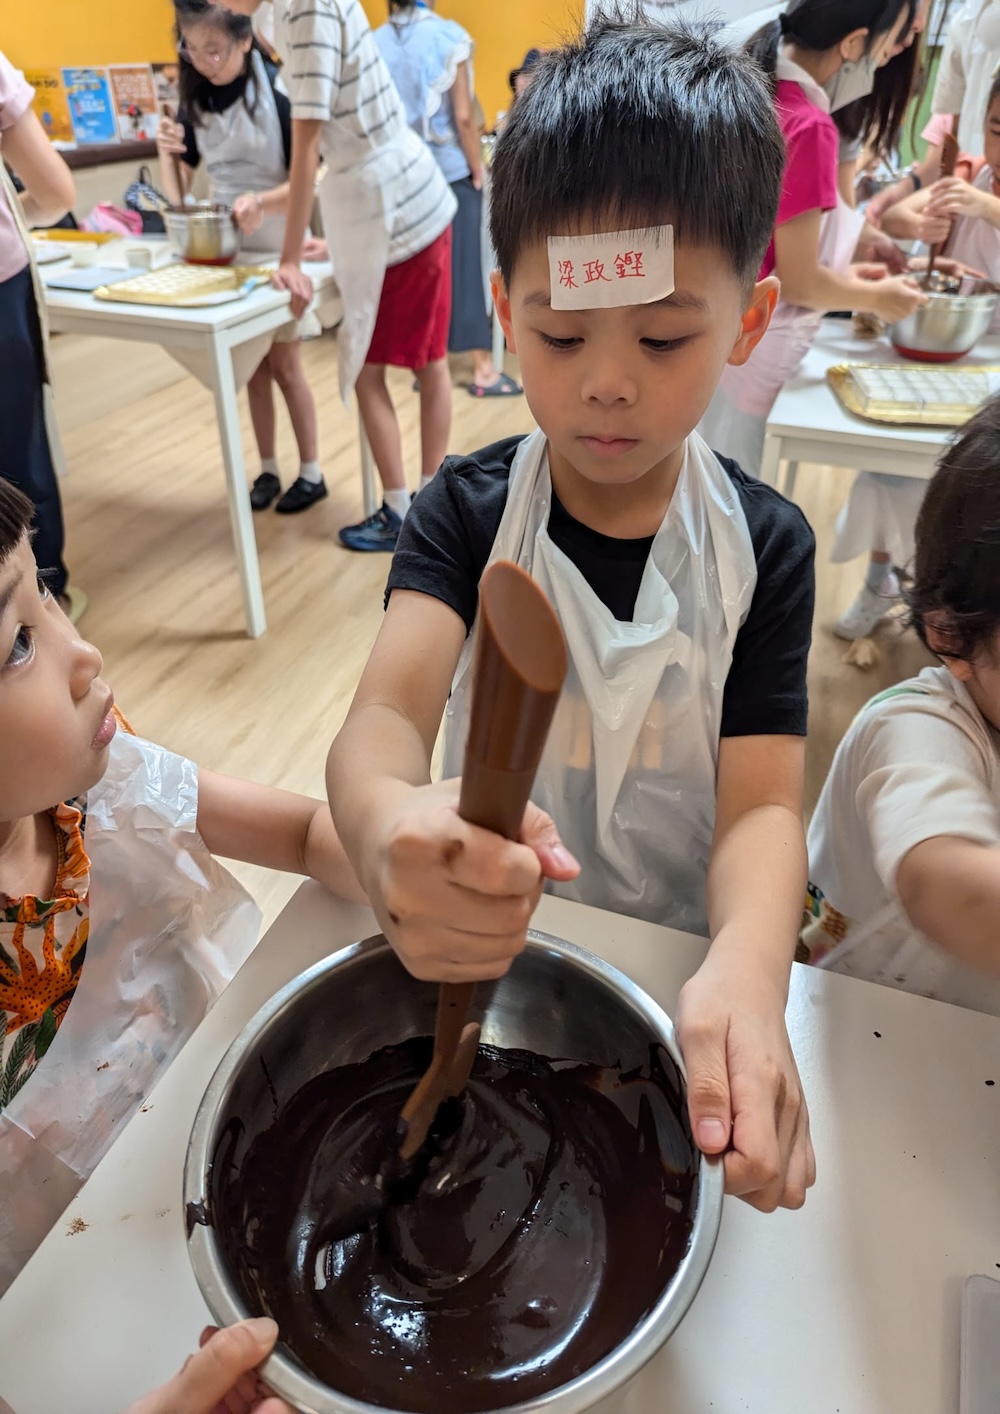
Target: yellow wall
point(504, 30)
point(50, 34)
point(41, 34)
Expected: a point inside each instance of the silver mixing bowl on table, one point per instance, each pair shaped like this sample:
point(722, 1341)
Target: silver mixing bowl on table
point(557, 1001)
point(958, 313)
point(203, 233)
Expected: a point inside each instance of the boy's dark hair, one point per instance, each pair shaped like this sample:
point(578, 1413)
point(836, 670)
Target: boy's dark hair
point(194, 88)
point(641, 125)
point(15, 518)
point(956, 575)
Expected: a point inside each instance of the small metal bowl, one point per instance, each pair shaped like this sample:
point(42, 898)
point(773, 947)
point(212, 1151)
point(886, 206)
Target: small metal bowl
point(947, 327)
point(203, 234)
point(557, 1000)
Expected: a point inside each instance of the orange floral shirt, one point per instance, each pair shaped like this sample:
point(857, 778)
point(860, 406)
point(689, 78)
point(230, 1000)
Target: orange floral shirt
point(43, 943)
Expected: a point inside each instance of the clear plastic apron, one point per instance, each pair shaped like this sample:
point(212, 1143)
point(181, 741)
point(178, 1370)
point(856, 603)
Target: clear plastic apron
point(629, 773)
point(168, 929)
point(244, 152)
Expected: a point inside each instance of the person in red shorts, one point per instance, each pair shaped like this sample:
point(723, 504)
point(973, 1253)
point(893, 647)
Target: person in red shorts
point(387, 213)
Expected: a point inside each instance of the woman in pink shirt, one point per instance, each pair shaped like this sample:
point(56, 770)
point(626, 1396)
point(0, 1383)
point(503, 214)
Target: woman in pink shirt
point(819, 54)
point(25, 450)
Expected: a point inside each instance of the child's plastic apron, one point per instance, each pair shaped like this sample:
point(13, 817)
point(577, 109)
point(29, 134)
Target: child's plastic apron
point(737, 416)
point(245, 152)
point(629, 771)
point(168, 928)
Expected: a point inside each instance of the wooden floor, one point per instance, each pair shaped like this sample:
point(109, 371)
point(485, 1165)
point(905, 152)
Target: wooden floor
point(149, 541)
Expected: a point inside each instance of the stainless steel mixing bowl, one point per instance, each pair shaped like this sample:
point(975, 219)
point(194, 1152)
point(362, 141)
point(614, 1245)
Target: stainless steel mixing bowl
point(557, 1000)
point(203, 234)
point(946, 328)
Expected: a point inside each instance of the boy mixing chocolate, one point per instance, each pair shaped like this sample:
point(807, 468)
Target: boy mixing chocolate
point(634, 193)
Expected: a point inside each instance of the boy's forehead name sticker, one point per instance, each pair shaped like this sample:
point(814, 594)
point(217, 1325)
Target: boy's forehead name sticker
point(611, 268)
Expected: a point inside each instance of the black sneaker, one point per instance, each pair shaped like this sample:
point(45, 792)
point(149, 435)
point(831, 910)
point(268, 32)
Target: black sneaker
point(301, 495)
point(264, 490)
point(379, 532)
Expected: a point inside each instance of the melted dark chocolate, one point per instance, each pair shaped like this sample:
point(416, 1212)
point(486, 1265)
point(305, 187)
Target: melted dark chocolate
point(554, 1207)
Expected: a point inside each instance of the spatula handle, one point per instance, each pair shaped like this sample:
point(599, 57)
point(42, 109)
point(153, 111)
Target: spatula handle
point(949, 161)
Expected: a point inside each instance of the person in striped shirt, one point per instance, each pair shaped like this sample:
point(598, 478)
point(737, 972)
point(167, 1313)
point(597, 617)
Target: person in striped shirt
point(387, 213)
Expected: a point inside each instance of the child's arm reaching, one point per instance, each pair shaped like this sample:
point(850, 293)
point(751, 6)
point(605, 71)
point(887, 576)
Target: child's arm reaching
point(242, 820)
point(743, 1083)
point(952, 197)
point(250, 209)
point(454, 900)
point(950, 890)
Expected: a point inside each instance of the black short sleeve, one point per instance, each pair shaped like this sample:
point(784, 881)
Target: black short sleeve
point(447, 537)
point(765, 692)
point(449, 530)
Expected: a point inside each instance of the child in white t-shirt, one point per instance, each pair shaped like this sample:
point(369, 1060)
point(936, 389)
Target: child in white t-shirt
point(904, 847)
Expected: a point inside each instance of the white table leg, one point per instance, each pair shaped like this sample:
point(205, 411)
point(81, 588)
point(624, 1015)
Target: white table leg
point(369, 480)
point(770, 463)
point(791, 474)
point(240, 514)
point(499, 342)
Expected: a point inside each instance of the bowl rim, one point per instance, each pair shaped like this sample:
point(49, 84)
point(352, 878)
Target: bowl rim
point(285, 1376)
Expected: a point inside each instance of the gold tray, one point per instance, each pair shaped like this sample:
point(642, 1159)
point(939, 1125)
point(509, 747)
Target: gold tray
point(909, 414)
point(187, 286)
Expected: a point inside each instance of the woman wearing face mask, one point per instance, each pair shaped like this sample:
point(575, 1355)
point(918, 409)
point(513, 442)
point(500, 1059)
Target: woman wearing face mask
point(870, 126)
point(815, 48)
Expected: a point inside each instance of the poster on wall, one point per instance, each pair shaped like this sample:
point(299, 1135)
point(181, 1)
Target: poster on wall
point(51, 103)
point(167, 82)
point(137, 112)
point(91, 105)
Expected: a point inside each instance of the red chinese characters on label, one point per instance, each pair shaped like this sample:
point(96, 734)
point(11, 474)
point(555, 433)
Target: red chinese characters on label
point(611, 268)
point(566, 274)
point(629, 266)
point(593, 270)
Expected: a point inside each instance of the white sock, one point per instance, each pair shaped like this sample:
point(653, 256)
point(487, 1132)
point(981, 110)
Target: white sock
point(269, 464)
point(309, 471)
point(425, 481)
point(880, 578)
point(398, 501)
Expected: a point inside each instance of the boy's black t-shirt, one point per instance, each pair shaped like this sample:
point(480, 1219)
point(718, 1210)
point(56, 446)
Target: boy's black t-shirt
point(220, 98)
point(449, 532)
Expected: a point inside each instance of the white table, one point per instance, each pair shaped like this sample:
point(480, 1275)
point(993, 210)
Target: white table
point(216, 332)
point(851, 1304)
point(808, 422)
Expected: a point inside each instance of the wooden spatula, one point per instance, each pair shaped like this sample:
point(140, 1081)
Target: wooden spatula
point(949, 160)
point(518, 672)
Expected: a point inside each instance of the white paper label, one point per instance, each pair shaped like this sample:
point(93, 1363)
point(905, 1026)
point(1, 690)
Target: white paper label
point(611, 268)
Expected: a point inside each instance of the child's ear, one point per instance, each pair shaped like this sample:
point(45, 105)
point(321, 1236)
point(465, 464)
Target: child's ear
point(501, 303)
point(756, 318)
point(941, 640)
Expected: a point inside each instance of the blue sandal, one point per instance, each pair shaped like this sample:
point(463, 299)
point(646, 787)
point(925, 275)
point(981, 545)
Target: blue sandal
point(504, 387)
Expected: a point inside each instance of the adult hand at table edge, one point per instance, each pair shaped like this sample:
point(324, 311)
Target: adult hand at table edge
point(222, 1374)
point(289, 276)
point(745, 1097)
